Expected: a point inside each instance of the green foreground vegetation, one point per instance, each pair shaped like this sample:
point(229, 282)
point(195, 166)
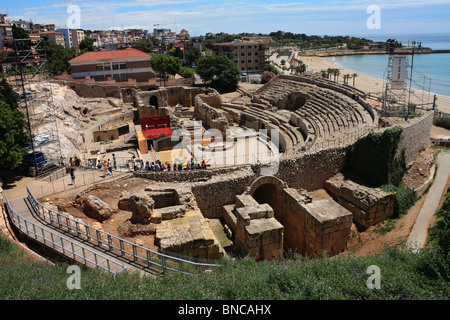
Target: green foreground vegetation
point(404, 275)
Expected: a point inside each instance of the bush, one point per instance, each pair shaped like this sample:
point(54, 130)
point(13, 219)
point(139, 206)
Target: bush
point(443, 122)
point(267, 76)
point(440, 233)
point(186, 72)
point(404, 198)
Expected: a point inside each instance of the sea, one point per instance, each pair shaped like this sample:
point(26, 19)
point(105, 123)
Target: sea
point(431, 71)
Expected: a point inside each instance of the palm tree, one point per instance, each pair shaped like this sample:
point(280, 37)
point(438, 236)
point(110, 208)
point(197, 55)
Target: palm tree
point(346, 77)
point(329, 72)
point(336, 73)
point(354, 75)
point(324, 73)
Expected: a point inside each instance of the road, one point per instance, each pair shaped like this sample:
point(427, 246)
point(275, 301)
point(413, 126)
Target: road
point(418, 236)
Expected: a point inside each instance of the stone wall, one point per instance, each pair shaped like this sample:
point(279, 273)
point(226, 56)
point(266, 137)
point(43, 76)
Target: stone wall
point(207, 108)
point(219, 191)
point(416, 136)
point(368, 205)
point(197, 175)
point(309, 171)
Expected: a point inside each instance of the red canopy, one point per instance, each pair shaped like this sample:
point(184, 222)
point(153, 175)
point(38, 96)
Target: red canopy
point(156, 127)
point(157, 133)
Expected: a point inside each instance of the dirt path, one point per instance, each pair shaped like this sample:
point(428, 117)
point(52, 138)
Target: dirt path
point(419, 232)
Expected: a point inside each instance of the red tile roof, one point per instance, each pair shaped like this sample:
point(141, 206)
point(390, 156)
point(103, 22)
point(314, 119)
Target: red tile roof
point(110, 55)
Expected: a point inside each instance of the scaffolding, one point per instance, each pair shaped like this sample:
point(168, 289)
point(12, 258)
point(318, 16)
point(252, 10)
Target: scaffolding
point(25, 66)
point(397, 100)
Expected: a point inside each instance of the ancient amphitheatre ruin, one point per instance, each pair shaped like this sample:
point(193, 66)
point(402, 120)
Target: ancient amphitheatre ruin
point(239, 205)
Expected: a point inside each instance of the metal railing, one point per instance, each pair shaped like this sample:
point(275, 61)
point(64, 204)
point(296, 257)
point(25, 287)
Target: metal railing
point(66, 184)
point(133, 252)
point(62, 244)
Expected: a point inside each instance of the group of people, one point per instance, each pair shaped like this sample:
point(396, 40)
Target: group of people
point(73, 162)
point(159, 166)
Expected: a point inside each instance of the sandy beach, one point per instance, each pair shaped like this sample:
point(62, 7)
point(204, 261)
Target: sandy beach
point(369, 84)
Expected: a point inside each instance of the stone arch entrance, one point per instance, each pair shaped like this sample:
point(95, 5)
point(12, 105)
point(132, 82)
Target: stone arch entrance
point(153, 101)
point(269, 189)
point(261, 181)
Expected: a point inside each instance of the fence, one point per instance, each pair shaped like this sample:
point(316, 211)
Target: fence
point(66, 184)
point(62, 244)
point(121, 247)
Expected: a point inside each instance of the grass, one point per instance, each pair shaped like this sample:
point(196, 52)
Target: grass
point(404, 275)
point(385, 227)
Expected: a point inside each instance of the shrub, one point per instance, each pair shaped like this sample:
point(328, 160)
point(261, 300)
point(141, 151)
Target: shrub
point(440, 233)
point(267, 76)
point(443, 122)
point(404, 198)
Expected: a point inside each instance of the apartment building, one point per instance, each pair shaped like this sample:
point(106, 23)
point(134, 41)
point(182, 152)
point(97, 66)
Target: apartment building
point(120, 65)
point(77, 36)
point(55, 36)
point(5, 29)
point(67, 37)
point(249, 56)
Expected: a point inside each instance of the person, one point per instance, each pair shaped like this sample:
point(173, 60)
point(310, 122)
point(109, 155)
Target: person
point(180, 166)
point(72, 175)
point(203, 165)
point(109, 166)
point(106, 169)
point(89, 163)
point(168, 167)
point(192, 164)
point(134, 163)
point(115, 161)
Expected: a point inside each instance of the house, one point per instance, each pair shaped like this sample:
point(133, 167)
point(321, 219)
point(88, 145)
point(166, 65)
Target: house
point(120, 65)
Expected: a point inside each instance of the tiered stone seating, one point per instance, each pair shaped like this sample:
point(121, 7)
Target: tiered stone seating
point(329, 112)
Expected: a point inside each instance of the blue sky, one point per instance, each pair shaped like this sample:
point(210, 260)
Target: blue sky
point(321, 17)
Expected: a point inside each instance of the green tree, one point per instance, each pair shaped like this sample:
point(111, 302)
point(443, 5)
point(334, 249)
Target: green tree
point(165, 65)
point(193, 55)
point(176, 52)
point(222, 73)
point(87, 44)
point(19, 33)
point(13, 137)
point(146, 45)
point(58, 57)
point(270, 68)
point(186, 72)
